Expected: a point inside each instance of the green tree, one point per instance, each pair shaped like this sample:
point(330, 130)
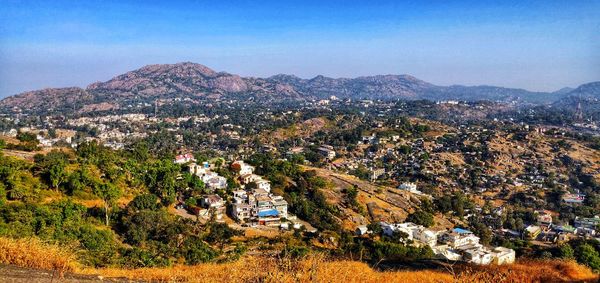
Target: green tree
point(421, 217)
point(52, 167)
point(57, 174)
point(588, 255)
point(52, 133)
point(161, 179)
point(351, 195)
point(145, 201)
point(375, 228)
point(140, 151)
point(566, 251)
point(221, 234)
point(190, 202)
point(196, 251)
point(219, 163)
point(109, 193)
point(2, 194)
point(75, 182)
point(26, 137)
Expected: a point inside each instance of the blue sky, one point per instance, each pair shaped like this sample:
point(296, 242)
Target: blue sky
point(536, 45)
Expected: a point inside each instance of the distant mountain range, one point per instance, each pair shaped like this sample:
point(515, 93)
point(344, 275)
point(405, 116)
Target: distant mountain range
point(195, 80)
point(587, 96)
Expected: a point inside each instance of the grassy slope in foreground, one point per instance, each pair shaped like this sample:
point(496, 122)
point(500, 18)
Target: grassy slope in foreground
point(35, 254)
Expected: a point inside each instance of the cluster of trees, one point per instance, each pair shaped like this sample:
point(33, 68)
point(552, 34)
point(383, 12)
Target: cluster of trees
point(64, 222)
point(351, 198)
point(424, 215)
point(378, 247)
point(308, 202)
point(421, 217)
point(165, 237)
point(17, 181)
point(586, 252)
point(140, 234)
point(27, 142)
point(456, 204)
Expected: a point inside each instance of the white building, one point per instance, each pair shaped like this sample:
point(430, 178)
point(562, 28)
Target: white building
point(240, 194)
point(376, 173)
point(478, 255)
point(184, 158)
point(445, 252)
point(248, 178)
point(459, 244)
point(459, 238)
point(242, 167)
point(211, 201)
point(241, 211)
point(216, 183)
point(280, 205)
point(327, 152)
point(426, 236)
point(263, 184)
point(211, 179)
point(361, 230)
point(504, 255)
point(408, 228)
point(410, 187)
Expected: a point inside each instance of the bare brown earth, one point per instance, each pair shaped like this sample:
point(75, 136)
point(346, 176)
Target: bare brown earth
point(303, 129)
point(104, 106)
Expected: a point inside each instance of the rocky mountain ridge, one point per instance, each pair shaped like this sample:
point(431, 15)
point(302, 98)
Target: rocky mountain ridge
point(195, 80)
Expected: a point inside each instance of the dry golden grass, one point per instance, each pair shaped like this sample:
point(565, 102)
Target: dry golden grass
point(260, 269)
point(33, 253)
point(122, 202)
point(530, 271)
point(318, 269)
point(315, 268)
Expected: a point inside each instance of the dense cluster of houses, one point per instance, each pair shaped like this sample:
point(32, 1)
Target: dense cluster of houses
point(210, 203)
point(545, 230)
point(48, 141)
point(252, 203)
point(458, 244)
point(255, 202)
point(211, 179)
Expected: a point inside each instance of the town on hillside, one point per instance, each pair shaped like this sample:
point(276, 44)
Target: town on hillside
point(387, 180)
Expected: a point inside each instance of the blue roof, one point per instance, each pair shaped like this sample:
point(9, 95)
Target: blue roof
point(461, 231)
point(266, 213)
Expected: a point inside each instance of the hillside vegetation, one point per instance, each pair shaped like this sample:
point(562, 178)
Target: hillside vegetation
point(315, 268)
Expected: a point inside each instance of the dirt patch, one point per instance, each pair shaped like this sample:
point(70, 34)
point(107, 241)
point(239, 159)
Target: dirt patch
point(15, 274)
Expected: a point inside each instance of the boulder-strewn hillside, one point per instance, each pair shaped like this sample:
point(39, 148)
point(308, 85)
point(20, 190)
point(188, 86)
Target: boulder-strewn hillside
point(195, 80)
point(587, 91)
point(492, 93)
point(380, 87)
point(48, 98)
point(183, 78)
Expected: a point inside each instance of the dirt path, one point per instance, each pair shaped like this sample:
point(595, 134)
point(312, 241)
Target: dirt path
point(15, 274)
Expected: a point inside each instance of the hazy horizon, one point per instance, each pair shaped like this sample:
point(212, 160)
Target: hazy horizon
point(534, 45)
